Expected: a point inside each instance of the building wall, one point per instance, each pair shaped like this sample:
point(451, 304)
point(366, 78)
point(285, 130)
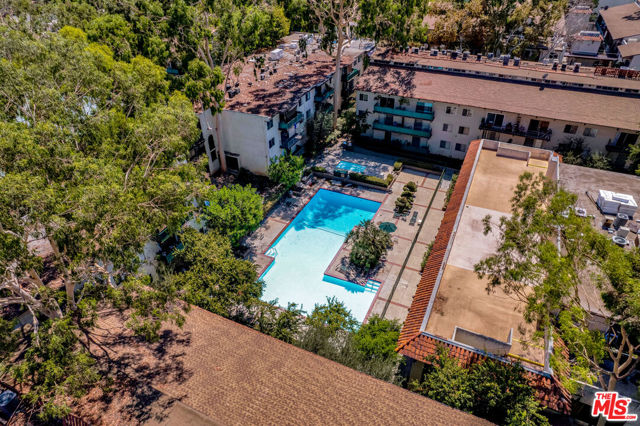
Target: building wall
point(455, 119)
point(247, 136)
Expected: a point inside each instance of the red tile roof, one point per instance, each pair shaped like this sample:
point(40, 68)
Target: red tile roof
point(548, 389)
point(418, 309)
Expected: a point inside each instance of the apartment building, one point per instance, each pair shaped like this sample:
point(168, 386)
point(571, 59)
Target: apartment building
point(620, 27)
point(269, 103)
point(439, 104)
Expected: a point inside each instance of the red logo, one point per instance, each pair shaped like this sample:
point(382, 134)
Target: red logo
point(612, 406)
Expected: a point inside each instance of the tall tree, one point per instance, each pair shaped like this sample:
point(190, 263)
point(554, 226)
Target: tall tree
point(90, 151)
point(545, 254)
point(395, 22)
point(335, 18)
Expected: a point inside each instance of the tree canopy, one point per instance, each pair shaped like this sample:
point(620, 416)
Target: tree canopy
point(546, 253)
point(286, 170)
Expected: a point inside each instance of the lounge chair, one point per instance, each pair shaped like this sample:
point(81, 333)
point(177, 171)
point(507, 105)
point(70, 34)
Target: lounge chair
point(414, 218)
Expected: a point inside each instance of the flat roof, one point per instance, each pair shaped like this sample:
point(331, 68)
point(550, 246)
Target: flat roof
point(557, 104)
point(629, 49)
point(526, 70)
point(462, 299)
point(220, 372)
point(622, 21)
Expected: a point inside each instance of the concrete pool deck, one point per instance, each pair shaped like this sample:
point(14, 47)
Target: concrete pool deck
point(393, 302)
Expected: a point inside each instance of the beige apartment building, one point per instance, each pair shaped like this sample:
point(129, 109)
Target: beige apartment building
point(439, 104)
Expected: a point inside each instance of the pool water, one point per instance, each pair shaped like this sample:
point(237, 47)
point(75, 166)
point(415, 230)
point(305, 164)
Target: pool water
point(306, 248)
point(351, 167)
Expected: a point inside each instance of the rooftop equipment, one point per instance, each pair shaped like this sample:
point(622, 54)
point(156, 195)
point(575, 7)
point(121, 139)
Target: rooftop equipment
point(576, 67)
point(612, 203)
point(434, 52)
point(454, 55)
point(620, 241)
point(276, 54)
point(563, 67)
point(620, 220)
point(516, 62)
point(623, 231)
point(479, 57)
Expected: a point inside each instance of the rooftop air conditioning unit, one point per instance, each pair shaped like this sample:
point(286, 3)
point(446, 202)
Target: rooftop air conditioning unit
point(516, 62)
point(623, 231)
point(434, 52)
point(490, 55)
point(563, 67)
point(576, 67)
point(581, 212)
point(416, 50)
point(465, 56)
point(620, 241)
point(454, 55)
point(262, 76)
point(479, 57)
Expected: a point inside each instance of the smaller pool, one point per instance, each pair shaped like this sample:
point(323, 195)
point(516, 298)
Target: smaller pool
point(351, 167)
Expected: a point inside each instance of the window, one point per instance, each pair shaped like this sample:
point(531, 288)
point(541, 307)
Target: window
point(571, 129)
point(590, 132)
point(444, 144)
point(387, 102)
point(417, 124)
point(461, 147)
point(364, 97)
point(415, 141)
point(463, 130)
point(495, 119)
point(466, 112)
point(269, 124)
point(212, 148)
point(451, 110)
point(307, 114)
point(307, 96)
point(446, 128)
point(424, 107)
point(272, 142)
point(300, 102)
point(360, 113)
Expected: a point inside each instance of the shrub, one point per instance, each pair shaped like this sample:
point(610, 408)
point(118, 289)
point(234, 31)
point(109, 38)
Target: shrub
point(425, 256)
point(411, 186)
point(397, 165)
point(408, 194)
point(369, 244)
point(452, 186)
point(318, 169)
point(421, 164)
point(403, 204)
point(233, 211)
point(286, 170)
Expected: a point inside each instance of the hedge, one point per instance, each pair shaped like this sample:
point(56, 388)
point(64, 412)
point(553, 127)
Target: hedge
point(373, 180)
point(421, 164)
point(318, 169)
point(397, 165)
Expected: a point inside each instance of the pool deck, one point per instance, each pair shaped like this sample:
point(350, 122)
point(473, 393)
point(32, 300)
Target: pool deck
point(394, 303)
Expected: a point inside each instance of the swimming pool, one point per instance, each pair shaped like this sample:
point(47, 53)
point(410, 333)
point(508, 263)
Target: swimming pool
point(306, 248)
point(351, 167)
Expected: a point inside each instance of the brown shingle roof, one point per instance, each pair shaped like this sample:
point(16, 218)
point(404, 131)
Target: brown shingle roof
point(622, 21)
point(232, 374)
point(630, 49)
point(413, 323)
point(552, 103)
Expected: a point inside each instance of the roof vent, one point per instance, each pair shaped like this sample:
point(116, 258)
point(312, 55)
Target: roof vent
point(434, 52)
point(516, 62)
point(620, 241)
point(576, 67)
point(262, 76)
point(465, 56)
point(479, 57)
point(580, 212)
point(563, 67)
point(490, 55)
point(555, 65)
point(454, 55)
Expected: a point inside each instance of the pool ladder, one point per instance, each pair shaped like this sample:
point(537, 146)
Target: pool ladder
point(272, 252)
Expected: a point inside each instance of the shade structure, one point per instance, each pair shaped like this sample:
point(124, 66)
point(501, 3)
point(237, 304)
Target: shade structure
point(388, 226)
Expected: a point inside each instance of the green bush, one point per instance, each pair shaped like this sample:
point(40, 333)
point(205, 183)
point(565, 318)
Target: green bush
point(421, 164)
point(403, 204)
point(318, 169)
point(426, 255)
point(373, 180)
point(411, 186)
point(389, 179)
point(408, 194)
point(369, 244)
point(397, 165)
point(452, 186)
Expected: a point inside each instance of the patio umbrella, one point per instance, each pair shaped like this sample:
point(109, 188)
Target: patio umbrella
point(388, 226)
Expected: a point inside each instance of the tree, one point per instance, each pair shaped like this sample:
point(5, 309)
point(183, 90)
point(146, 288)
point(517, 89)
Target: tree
point(90, 151)
point(318, 131)
point(115, 32)
point(283, 324)
point(209, 276)
point(545, 254)
point(335, 18)
point(493, 390)
point(286, 170)
point(233, 211)
point(396, 22)
point(368, 244)
point(378, 338)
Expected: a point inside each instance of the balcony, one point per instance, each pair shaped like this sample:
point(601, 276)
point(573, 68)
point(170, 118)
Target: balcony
point(509, 129)
point(616, 147)
point(289, 142)
point(352, 75)
point(288, 124)
point(402, 112)
point(323, 97)
point(398, 128)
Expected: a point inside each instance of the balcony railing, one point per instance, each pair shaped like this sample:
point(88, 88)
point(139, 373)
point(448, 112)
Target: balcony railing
point(422, 115)
point(516, 131)
point(352, 74)
point(290, 142)
point(295, 120)
point(323, 97)
point(399, 128)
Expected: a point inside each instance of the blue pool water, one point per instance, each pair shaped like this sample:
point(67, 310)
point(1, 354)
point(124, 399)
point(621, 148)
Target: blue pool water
point(351, 167)
point(306, 248)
